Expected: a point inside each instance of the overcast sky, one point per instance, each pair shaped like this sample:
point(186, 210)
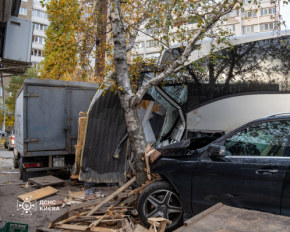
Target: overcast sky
point(285, 12)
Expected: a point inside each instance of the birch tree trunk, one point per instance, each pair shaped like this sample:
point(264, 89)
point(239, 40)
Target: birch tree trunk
point(121, 77)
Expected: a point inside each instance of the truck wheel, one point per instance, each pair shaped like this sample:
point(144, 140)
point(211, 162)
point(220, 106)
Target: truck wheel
point(15, 163)
point(21, 168)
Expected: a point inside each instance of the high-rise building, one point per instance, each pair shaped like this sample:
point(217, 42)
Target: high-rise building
point(251, 20)
point(33, 10)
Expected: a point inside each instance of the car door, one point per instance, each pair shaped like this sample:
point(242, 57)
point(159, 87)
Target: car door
point(251, 175)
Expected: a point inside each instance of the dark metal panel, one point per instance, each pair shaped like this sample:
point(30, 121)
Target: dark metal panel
point(106, 127)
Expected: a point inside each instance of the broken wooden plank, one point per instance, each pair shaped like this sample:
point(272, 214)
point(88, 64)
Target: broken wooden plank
point(148, 171)
point(154, 155)
point(95, 223)
point(85, 205)
point(58, 219)
point(109, 198)
point(47, 230)
point(139, 228)
point(83, 228)
point(70, 218)
point(140, 188)
point(38, 194)
point(46, 181)
point(67, 195)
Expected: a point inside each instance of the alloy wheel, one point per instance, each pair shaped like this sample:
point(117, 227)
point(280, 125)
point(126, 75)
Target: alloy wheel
point(163, 203)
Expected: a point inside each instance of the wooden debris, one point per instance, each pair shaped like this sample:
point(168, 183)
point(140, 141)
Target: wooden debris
point(84, 228)
point(154, 156)
point(108, 219)
point(38, 194)
point(158, 222)
point(45, 181)
point(72, 196)
point(112, 196)
point(79, 146)
point(139, 228)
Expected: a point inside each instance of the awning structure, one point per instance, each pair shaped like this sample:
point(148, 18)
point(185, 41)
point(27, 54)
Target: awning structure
point(15, 39)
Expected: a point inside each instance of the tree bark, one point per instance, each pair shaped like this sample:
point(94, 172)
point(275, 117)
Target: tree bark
point(102, 8)
point(121, 77)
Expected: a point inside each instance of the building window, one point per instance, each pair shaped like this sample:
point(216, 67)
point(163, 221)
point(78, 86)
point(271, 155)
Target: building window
point(233, 13)
point(23, 11)
point(139, 45)
point(23, 0)
point(152, 55)
point(268, 26)
point(38, 39)
point(250, 14)
point(230, 27)
point(38, 26)
point(268, 11)
point(37, 1)
point(36, 52)
point(39, 13)
point(10, 94)
point(151, 43)
point(250, 29)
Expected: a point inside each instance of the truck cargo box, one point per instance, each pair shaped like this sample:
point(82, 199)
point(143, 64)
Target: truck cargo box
point(46, 123)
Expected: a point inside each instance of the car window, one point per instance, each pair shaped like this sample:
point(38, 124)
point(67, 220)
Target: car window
point(263, 139)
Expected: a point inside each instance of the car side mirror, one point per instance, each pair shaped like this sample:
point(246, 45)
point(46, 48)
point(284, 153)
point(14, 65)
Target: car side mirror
point(215, 150)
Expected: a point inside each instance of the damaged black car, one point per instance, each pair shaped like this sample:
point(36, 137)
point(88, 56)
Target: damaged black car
point(247, 168)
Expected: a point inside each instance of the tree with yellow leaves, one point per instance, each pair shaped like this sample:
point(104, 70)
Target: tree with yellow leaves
point(61, 47)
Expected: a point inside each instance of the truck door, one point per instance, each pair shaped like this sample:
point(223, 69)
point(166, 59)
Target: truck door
point(45, 118)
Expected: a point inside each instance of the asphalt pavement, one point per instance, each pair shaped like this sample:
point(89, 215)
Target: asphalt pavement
point(5, 154)
point(6, 157)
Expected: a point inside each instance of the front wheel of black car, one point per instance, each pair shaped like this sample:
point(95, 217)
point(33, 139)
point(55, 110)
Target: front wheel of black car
point(160, 199)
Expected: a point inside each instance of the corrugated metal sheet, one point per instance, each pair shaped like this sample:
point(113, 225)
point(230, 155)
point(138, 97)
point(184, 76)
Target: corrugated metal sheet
point(106, 127)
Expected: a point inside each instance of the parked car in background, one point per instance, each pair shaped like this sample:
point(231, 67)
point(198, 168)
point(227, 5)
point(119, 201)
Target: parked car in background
point(9, 142)
point(246, 168)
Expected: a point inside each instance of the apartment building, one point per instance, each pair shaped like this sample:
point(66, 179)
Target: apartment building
point(33, 10)
point(239, 22)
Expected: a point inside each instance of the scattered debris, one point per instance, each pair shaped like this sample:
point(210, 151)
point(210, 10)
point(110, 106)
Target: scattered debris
point(91, 191)
point(99, 194)
point(95, 215)
point(158, 222)
point(45, 181)
point(38, 194)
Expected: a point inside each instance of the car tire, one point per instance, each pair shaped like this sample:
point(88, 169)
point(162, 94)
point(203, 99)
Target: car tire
point(5, 145)
point(157, 200)
point(21, 169)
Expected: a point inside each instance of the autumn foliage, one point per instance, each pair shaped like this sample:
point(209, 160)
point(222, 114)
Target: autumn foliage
point(61, 47)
